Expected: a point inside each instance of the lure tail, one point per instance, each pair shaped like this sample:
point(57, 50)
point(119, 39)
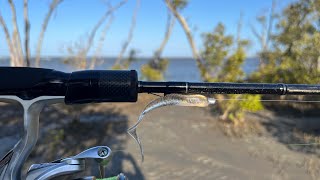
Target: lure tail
point(168, 100)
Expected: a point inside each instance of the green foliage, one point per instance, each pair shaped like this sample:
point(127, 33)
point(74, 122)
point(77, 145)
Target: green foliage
point(179, 4)
point(231, 70)
point(158, 63)
point(118, 67)
point(154, 71)
point(127, 62)
point(163, 64)
point(295, 56)
point(226, 66)
point(150, 73)
point(234, 109)
point(217, 46)
point(252, 103)
point(131, 58)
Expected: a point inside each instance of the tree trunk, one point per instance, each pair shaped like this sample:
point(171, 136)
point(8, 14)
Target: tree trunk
point(318, 64)
point(13, 59)
point(26, 32)
point(16, 35)
point(53, 6)
point(265, 36)
point(270, 24)
point(96, 27)
point(157, 55)
point(185, 26)
point(80, 50)
point(100, 22)
point(101, 42)
point(130, 35)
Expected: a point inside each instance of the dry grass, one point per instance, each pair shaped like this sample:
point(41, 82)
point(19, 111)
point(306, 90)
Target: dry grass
point(307, 137)
point(280, 168)
point(240, 128)
point(312, 166)
point(304, 142)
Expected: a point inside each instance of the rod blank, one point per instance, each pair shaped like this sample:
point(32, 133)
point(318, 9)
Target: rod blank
point(227, 88)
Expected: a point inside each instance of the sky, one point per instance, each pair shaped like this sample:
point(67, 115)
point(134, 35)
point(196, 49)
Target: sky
point(74, 19)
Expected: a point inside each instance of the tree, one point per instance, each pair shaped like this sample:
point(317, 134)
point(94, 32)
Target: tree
point(216, 49)
point(223, 65)
point(196, 55)
point(264, 37)
point(157, 65)
point(79, 49)
point(14, 60)
point(14, 43)
point(117, 63)
point(26, 32)
point(216, 64)
point(294, 57)
point(101, 41)
point(45, 23)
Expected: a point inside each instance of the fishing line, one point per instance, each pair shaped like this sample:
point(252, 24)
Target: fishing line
point(271, 100)
point(304, 144)
point(288, 100)
point(189, 100)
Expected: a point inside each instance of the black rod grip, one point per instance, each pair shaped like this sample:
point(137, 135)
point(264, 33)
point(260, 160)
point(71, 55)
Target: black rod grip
point(102, 86)
point(29, 83)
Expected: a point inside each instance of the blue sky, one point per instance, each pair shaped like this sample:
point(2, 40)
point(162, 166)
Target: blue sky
point(75, 18)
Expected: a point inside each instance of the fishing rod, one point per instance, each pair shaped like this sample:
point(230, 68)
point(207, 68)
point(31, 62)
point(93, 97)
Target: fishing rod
point(34, 88)
point(228, 88)
point(122, 85)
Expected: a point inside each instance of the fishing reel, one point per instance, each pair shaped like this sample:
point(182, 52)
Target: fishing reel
point(11, 164)
point(68, 168)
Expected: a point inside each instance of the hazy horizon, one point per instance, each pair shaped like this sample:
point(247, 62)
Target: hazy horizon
point(114, 57)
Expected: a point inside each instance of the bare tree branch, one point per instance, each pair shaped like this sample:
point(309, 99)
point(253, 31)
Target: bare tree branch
point(13, 60)
point(97, 26)
point(318, 64)
point(81, 50)
point(239, 28)
point(101, 42)
point(100, 22)
point(130, 35)
point(261, 37)
point(192, 44)
point(266, 32)
point(169, 28)
point(26, 32)
point(270, 24)
point(52, 7)
point(16, 35)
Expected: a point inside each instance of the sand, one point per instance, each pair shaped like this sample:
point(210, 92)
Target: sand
point(179, 142)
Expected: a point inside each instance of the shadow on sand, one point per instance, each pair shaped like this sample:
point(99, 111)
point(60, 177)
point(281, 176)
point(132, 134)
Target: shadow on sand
point(64, 131)
point(297, 125)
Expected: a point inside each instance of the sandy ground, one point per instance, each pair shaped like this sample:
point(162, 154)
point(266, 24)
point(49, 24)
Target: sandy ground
point(179, 142)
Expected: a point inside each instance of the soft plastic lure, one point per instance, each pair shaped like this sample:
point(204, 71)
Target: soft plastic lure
point(169, 100)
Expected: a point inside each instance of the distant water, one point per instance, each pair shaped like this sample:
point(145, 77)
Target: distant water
point(179, 69)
